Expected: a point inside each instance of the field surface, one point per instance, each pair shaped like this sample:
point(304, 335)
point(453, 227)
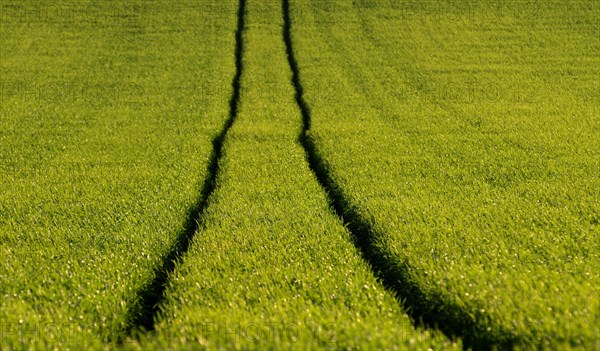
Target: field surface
point(461, 143)
point(108, 112)
point(299, 174)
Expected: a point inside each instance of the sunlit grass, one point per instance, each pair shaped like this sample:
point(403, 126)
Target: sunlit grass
point(468, 136)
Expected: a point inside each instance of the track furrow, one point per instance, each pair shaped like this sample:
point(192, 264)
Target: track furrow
point(152, 295)
point(451, 320)
point(273, 267)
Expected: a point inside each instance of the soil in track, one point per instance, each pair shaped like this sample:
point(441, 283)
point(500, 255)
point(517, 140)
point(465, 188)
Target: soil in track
point(153, 294)
point(271, 266)
point(364, 236)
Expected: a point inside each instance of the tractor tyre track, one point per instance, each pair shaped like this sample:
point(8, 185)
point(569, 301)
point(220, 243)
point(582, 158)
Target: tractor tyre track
point(425, 310)
point(142, 316)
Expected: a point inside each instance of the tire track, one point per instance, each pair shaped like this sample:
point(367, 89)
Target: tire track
point(426, 311)
point(141, 317)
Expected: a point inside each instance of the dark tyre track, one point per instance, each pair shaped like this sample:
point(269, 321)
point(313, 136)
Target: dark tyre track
point(141, 317)
point(424, 310)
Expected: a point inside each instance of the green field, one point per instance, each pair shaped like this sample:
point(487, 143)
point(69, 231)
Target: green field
point(108, 112)
point(465, 149)
point(299, 174)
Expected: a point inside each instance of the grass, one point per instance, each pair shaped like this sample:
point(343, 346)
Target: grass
point(463, 140)
point(367, 174)
point(108, 112)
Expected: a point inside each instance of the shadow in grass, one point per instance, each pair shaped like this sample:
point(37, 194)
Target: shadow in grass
point(142, 316)
point(425, 310)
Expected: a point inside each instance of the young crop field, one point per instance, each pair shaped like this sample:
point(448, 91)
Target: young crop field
point(107, 117)
point(299, 174)
point(461, 144)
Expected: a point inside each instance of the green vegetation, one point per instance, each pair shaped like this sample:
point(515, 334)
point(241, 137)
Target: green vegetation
point(299, 174)
point(272, 267)
point(106, 120)
point(463, 138)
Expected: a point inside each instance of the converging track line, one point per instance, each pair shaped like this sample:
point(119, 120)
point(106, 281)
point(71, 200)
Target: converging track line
point(142, 315)
point(450, 319)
